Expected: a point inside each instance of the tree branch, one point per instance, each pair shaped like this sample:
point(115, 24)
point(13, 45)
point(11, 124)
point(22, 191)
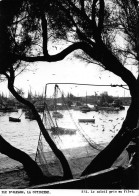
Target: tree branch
point(57, 152)
point(30, 166)
point(97, 29)
point(93, 18)
point(101, 16)
point(79, 12)
point(82, 5)
point(44, 35)
point(57, 57)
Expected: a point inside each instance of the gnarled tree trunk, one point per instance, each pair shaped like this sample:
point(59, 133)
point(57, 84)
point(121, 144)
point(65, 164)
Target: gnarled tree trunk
point(66, 168)
point(32, 169)
point(108, 156)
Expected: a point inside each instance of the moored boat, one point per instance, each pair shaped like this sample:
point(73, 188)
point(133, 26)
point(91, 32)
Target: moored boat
point(12, 119)
point(29, 115)
point(57, 114)
point(62, 131)
point(107, 108)
point(87, 120)
point(6, 109)
point(85, 108)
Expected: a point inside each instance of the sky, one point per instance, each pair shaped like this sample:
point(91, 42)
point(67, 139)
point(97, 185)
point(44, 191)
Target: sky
point(70, 71)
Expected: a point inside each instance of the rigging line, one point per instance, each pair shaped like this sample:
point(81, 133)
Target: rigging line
point(56, 90)
point(125, 88)
point(52, 123)
point(69, 110)
point(90, 141)
point(83, 134)
point(42, 120)
point(38, 146)
point(21, 114)
point(43, 162)
point(112, 85)
point(55, 102)
point(41, 158)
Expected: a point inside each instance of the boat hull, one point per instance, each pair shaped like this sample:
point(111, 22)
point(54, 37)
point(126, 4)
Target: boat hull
point(87, 120)
point(11, 119)
point(62, 131)
point(107, 108)
point(57, 115)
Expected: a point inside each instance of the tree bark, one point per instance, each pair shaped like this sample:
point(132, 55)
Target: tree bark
point(108, 156)
point(32, 169)
point(57, 152)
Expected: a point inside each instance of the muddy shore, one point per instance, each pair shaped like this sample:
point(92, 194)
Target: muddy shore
point(13, 176)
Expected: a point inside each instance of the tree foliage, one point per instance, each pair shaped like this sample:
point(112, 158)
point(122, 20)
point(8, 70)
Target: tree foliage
point(95, 27)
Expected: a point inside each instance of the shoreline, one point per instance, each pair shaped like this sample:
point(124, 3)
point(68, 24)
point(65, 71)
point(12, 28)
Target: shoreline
point(7, 164)
point(78, 160)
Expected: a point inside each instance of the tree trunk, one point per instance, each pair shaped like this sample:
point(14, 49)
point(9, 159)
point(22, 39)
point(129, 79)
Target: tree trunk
point(32, 169)
point(57, 152)
point(108, 156)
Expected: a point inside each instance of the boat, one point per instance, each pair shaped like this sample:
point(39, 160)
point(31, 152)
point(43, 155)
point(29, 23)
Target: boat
point(12, 119)
point(29, 115)
point(107, 108)
point(122, 107)
point(6, 109)
point(85, 109)
point(56, 114)
point(74, 107)
point(87, 120)
point(62, 131)
point(118, 104)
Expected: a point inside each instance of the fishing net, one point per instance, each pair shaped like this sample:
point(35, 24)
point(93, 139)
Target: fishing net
point(61, 121)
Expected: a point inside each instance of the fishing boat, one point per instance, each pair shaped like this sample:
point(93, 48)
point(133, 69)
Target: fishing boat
point(62, 131)
point(102, 179)
point(29, 115)
point(107, 108)
point(118, 104)
point(8, 109)
point(87, 120)
point(85, 109)
point(12, 119)
point(57, 114)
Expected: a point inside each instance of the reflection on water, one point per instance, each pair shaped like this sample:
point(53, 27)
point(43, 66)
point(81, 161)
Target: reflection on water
point(24, 135)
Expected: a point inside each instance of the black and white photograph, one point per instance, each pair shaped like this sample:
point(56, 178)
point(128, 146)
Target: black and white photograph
point(69, 97)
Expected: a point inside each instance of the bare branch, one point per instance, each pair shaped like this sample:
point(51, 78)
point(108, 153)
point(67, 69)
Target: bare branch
point(57, 57)
point(135, 2)
point(82, 5)
point(44, 35)
point(101, 16)
point(94, 16)
point(79, 12)
point(97, 28)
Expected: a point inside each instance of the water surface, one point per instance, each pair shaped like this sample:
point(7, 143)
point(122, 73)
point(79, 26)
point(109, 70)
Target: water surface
point(25, 134)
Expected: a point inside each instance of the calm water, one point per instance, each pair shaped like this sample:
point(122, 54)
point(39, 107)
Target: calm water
point(24, 135)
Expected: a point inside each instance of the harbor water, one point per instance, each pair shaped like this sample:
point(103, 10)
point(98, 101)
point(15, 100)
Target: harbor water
point(25, 134)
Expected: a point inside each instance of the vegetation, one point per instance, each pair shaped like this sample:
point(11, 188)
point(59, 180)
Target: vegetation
point(91, 28)
point(105, 99)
